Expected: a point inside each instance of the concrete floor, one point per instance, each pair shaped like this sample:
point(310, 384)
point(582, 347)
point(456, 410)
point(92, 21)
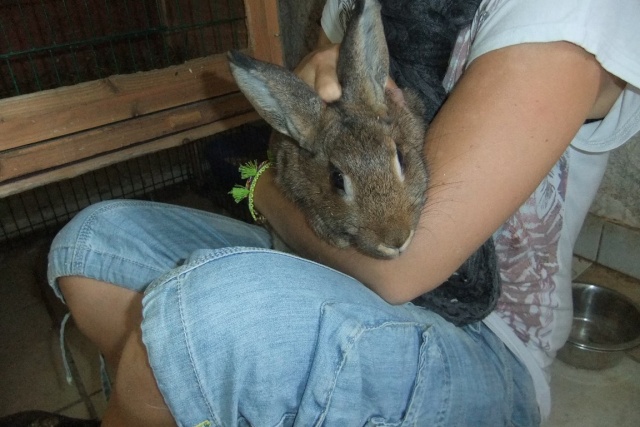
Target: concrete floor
point(611, 397)
point(32, 374)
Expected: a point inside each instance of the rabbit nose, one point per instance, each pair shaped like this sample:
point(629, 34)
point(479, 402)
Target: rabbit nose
point(394, 250)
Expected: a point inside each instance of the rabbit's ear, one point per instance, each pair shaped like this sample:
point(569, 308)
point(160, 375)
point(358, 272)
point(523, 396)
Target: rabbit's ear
point(281, 98)
point(363, 64)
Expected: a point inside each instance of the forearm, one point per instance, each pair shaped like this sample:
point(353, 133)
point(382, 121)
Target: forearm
point(502, 129)
point(291, 225)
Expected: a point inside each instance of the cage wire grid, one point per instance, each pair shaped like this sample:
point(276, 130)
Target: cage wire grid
point(46, 44)
point(207, 167)
point(44, 210)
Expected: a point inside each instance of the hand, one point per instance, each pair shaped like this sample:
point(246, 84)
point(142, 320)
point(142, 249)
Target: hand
point(318, 70)
point(487, 152)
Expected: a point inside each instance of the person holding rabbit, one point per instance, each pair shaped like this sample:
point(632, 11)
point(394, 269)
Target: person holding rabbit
point(205, 325)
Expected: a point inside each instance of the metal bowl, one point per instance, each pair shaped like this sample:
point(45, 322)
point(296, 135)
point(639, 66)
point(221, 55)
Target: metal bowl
point(605, 325)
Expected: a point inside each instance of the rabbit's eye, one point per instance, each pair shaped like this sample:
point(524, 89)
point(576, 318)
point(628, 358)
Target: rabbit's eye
point(337, 178)
point(400, 158)
point(341, 183)
point(399, 164)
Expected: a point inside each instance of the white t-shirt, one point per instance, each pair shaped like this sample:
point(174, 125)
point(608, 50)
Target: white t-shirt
point(534, 247)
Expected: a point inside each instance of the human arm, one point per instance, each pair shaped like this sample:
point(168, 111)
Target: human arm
point(509, 119)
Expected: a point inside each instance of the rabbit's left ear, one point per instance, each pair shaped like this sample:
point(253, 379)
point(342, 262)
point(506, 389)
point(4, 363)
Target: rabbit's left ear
point(288, 104)
point(363, 63)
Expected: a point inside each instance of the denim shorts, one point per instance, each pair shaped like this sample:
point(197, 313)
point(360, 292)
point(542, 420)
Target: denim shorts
point(241, 335)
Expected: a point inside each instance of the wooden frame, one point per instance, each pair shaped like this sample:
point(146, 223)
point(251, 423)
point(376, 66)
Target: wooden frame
point(61, 133)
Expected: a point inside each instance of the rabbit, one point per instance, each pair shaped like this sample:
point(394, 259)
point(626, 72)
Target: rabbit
point(355, 167)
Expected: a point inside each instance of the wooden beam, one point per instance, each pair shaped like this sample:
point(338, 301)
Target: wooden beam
point(78, 146)
point(61, 133)
point(264, 30)
point(173, 140)
point(53, 113)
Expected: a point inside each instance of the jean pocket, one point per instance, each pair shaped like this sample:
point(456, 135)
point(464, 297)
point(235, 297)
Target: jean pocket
point(372, 370)
point(287, 420)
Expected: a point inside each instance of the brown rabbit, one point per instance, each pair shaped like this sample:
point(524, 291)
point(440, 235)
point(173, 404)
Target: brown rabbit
point(355, 167)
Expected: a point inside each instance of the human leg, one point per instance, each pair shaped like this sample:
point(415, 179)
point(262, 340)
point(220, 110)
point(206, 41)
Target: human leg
point(135, 400)
point(103, 312)
point(100, 263)
point(130, 243)
point(238, 333)
point(250, 336)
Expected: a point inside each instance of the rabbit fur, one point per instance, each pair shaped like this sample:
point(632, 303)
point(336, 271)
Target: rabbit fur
point(355, 167)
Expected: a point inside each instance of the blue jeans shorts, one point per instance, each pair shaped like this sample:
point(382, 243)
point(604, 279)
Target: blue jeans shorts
point(241, 335)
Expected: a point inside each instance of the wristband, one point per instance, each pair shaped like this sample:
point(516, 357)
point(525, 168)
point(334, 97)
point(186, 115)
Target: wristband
point(250, 171)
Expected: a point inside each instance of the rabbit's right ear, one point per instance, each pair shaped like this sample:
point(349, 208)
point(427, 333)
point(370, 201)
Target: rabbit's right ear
point(288, 104)
point(363, 63)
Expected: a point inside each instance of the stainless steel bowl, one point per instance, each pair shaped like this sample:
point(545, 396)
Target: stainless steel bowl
point(605, 325)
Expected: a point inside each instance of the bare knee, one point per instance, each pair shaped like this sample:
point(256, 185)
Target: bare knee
point(136, 399)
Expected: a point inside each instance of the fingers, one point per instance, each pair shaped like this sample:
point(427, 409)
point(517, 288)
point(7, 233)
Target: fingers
point(326, 82)
point(318, 70)
point(391, 85)
point(394, 92)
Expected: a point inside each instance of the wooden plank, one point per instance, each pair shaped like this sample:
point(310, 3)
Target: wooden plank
point(264, 30)
point(72, 148)
point(273, 28)
point(53, 113)
point(173, 140)
point(61, 133)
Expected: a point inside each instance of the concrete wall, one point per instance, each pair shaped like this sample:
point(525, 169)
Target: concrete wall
point(618, 199)
point(611, 233)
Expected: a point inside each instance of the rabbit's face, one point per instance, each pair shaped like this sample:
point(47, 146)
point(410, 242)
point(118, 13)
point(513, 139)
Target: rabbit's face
point(355, 167)
point(364, 180)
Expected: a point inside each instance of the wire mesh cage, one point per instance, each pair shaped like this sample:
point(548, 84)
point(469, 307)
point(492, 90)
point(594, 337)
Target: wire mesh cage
point(128, 117)
point(207, 167)
point(45, 44)
point(45, 209)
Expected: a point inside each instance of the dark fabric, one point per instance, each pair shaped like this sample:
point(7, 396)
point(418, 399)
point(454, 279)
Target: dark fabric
point(471, 293)
point(44, 419)
point(421, 35)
